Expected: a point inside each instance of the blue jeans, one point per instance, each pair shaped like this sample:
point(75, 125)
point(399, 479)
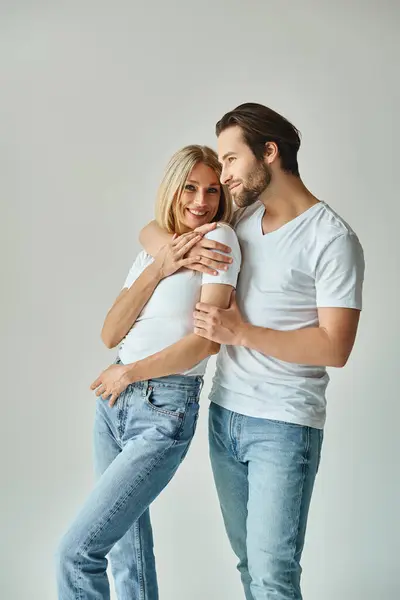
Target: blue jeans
point(264, 473)
point(139, 444)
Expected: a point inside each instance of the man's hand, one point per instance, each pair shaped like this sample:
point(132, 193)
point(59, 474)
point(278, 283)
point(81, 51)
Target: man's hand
point(209, 259)
point(174, 256)
point(224, 326)
point(208, 253)
point(112, 382)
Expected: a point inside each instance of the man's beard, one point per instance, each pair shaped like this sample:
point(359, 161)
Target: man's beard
point(257, 182)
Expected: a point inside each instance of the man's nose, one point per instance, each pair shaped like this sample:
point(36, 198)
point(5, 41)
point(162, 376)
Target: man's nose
point(225, 177)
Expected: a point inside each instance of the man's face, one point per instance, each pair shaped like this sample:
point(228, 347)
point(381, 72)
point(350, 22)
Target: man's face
point(246, 177)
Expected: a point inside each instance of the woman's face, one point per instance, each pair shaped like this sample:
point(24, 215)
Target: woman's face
point(200, 198)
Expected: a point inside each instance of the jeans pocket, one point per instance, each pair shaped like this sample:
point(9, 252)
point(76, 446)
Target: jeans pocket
point(167, 402)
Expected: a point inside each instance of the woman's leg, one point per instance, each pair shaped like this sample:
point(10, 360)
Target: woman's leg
point(132, 557)
point(154, 426)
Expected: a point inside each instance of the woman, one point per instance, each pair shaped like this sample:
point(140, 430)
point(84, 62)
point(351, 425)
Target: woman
point(144, 431)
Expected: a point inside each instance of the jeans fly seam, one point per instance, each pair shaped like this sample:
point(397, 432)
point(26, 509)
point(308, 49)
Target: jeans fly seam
point(232, 435)
point(238, 436)
point(122, 417)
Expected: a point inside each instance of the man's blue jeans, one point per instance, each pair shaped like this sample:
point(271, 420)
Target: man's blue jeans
point(264, 474)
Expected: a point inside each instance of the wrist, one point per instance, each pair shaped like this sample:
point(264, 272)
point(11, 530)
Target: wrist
point(156, 272)
point(131, 372)
point(244, 335)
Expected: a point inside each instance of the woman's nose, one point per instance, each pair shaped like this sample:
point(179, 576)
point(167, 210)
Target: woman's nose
point(201, 198)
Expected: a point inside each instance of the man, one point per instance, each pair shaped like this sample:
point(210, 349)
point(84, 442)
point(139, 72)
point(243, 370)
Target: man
point(296, 312)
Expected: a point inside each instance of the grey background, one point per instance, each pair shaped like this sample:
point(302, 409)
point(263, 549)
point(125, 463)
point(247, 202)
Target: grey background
point(95, 96)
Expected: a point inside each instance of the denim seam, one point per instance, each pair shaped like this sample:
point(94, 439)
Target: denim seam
point(114, 510)
point(295, 532)
point(189, 442)
point(139, 559)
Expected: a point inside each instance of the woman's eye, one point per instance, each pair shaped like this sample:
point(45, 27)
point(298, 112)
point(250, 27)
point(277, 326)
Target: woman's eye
point(213, 191)
point(231, 159)
point(189, 187)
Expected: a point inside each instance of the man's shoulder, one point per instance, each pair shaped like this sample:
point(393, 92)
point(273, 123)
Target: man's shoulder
point(242, 215)
point(333, 238)
point(331, 224)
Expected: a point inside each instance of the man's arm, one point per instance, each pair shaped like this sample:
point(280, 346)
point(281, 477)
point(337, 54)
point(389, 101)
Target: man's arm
point(328, 345)
point(338, 283)
point(152, 238)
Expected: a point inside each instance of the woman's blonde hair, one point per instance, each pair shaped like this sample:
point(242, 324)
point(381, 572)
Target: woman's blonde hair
point(173, 183)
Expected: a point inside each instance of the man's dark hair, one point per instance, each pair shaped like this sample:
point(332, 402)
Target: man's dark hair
point(260, 125)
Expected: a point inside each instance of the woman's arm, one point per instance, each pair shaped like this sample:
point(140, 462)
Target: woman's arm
point(128, 306)
point(188, 351)
point(207, 252)
point(177, 358)
point(130, 302)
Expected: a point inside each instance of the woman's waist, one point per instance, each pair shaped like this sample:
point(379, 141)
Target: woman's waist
point(148, 337)
point(188, 382)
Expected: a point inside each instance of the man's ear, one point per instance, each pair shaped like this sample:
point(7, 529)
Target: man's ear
point(271, 152)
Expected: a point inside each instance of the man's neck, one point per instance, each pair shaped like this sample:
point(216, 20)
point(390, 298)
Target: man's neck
point(285, 199)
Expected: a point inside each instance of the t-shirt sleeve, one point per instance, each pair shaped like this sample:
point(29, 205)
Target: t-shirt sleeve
point(225, 235)
point(340, 273)
point(140, 263)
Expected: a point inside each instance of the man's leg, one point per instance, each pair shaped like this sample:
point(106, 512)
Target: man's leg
point(282, 464)
point(132, 557)
point(230, 477)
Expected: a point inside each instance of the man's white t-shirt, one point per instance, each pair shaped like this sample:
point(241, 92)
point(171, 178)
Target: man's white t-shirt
point(168, 315)
point(313, 261)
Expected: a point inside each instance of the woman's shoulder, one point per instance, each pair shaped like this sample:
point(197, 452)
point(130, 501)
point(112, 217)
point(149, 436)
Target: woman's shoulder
point(225, 234)
point(222, 233)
